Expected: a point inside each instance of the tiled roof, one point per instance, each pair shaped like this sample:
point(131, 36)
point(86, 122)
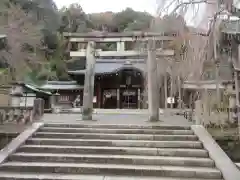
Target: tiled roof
point(61, 85)
point(113, 66)
point(2, 36)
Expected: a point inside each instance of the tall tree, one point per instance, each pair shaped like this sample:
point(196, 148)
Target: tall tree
point(131, 20)
point(74, 19)
point(23, 40)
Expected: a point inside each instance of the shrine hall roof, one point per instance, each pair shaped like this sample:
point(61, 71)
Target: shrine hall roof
point(113, 66)
point(2, 36)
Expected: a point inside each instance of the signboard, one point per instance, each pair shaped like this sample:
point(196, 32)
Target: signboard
point(94, 99)
point(110, 93)
point(129, 93)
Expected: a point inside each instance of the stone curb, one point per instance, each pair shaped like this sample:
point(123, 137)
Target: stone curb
point(238, 165)
point(18, 141)
point(111, 111)
point(223, 162)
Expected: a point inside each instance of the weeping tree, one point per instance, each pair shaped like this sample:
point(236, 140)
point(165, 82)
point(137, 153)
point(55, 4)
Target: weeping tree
point(193, 45)
point(168, 71)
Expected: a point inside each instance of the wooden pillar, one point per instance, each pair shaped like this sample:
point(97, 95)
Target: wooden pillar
point(166, 91)
point(145, 91)
point(99, 95)
point(139, 98)
point(153, 93)
point(118, 98)
point(89, 82)
point(180, 101)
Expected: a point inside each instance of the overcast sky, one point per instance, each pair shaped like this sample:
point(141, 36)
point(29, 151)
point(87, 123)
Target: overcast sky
point(91, 6)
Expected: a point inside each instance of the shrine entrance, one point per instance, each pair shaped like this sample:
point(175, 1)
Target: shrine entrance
point(121, 90)
point(129, 98)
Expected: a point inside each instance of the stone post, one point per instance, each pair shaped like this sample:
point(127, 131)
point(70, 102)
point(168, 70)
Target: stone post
point(89, 82)
point(38, 109)
point(53, 101)
point(153, 92)
point(198, 112)
point(121, 46)
point(232, 105)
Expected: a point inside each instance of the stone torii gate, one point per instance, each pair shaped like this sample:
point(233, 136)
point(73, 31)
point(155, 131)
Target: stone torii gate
point(120, 39)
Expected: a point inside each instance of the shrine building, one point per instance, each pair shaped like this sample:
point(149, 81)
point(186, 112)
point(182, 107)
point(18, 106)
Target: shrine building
point(120, 68)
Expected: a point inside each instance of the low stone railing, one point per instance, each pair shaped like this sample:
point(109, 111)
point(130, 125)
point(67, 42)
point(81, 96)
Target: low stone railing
point(15, 114)
point(22, 115)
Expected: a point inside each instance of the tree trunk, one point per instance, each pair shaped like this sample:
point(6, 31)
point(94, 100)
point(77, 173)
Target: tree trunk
point(236, 78)
point(217, 84)
point(153, 91)
point(216, 59)
point(89, 82)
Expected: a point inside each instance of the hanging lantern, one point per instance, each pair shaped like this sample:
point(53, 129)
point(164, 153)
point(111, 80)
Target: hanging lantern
point(128, 80)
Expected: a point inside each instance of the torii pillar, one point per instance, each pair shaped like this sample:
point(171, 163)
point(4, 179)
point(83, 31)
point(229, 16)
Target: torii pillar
point(153, 90)
point(89, 82)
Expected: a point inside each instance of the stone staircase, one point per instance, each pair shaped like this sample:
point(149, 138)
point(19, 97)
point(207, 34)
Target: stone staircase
point(110, 152)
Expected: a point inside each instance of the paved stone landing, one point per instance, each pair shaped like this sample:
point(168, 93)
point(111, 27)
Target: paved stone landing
point(104, 118)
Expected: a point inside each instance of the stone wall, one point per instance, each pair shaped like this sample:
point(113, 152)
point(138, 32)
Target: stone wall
point(231, 148)
point(15, 114)
point(6, 138)
point(228, 140)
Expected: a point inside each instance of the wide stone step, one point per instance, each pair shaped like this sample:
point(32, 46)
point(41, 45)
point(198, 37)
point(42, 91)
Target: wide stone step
point(116, 136)
point(112, 159)
point(115, 131)
point(52, 176)
point(74, 168)
point(117, 126)
point(116, 143)
point(115, 150)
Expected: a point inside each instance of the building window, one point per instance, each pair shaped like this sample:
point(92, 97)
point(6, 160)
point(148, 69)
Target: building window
point(64, 99)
